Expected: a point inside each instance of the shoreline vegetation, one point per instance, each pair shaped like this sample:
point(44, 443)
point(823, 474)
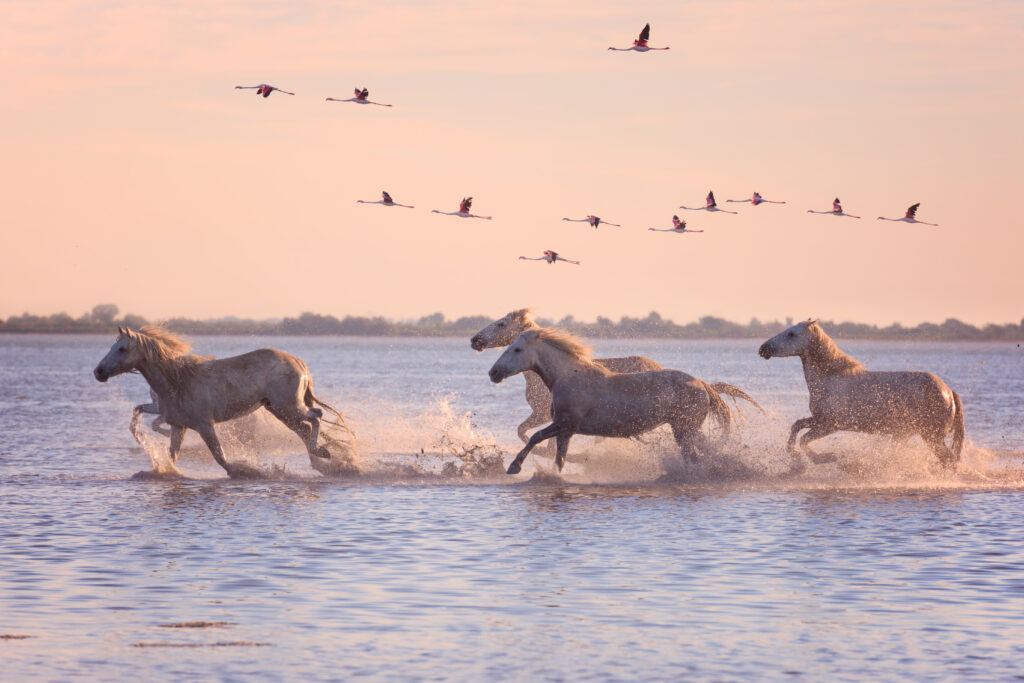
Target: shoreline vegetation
point(105, 319)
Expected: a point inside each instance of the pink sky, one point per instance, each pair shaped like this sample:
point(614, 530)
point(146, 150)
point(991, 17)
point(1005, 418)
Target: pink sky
point(135, 174)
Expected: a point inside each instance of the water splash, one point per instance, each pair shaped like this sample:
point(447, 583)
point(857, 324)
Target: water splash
point(443, 443)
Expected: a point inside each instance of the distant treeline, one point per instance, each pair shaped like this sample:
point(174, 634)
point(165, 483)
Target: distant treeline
point(105, 319)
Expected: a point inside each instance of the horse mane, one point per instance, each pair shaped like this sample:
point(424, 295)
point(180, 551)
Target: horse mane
point(167, 343)
point(163, 348)
point(522, 313)
point(566, 343)
point(829, 358)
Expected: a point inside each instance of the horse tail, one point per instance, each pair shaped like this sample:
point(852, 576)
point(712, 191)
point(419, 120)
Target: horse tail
point(719, 408)
point(735, 393)
point(958, 426)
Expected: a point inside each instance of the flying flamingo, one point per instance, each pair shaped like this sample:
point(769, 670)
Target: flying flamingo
point(755, 200)
point(677, 226)
point(593, 220)
point(386, 200)
point(550, 257)
point(640, 44)
point(262, 89)
point(360, 98)
point(463, 211)
point(910, 217)
point(837, 210)
point(709, 205)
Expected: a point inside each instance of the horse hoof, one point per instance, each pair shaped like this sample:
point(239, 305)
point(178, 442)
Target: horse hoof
point(514, 468)
point(322, 452)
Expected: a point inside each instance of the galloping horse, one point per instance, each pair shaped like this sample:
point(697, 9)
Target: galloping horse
point(588, 398)
point(844, 396)
point(506, 330)
point(195, 392)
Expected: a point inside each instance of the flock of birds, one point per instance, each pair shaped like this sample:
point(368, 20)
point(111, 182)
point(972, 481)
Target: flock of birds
point(640, 44)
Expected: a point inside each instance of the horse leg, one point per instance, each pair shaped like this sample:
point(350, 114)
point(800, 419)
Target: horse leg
point(177, 436)
point(686, 438)
point(209, 436)
point(817, 431)
point(137, 412)
point(553, 429)
point(536, 419)
point(538, 397)
point(306, 427)
point(802, 423)
point(313, 416)
point(562, 449)
point(159, 427)
point(945, 454)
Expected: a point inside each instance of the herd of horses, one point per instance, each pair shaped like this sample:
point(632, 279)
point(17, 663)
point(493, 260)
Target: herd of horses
point(568, 390)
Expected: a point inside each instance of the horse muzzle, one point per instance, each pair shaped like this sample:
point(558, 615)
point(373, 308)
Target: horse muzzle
point(476, 343)
point(496, 375)
point(100, 374)
point(765, 351)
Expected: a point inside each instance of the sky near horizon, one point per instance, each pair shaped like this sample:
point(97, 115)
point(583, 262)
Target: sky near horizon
point(133, 173)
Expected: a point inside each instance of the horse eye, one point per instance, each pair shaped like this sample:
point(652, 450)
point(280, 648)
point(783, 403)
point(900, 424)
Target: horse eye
point(790, 334)
point(501, 324)
point(518, 350)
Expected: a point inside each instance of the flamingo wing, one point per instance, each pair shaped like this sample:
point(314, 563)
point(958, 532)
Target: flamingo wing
point(912, 211)
point(645, 35)
point(386, 197)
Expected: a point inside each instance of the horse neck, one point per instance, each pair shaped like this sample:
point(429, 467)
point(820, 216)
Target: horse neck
point(824, 359)
point(552, 365)
point(161, 375)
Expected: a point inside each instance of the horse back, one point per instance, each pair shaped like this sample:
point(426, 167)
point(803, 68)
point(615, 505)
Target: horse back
point(627, 404)
point(629, 364)
point(260, 360)
point(900, 402)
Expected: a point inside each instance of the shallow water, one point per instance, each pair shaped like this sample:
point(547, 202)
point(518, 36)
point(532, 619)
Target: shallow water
point(878, 565)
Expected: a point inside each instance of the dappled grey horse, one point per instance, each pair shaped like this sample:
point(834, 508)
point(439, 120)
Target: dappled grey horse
point(844, 396)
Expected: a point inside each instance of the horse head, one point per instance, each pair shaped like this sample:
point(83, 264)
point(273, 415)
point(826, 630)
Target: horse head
point(503, 331)
point(518, 357)
point(791, 342)
point(122, 357)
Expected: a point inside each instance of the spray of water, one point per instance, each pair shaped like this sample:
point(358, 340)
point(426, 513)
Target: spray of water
point(443, 444)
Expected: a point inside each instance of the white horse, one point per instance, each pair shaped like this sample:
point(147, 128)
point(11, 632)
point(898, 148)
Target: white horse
point(844, 396)
point(587, 398)
point(194, 392)
point(504, 331)
point(507, 329)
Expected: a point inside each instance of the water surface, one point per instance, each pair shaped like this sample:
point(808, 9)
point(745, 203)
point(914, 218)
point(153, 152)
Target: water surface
point(880, 565)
